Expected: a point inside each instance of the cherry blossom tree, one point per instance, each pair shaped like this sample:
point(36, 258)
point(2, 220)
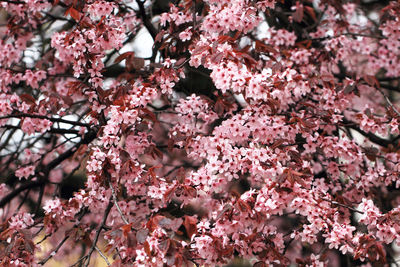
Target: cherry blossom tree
point(259, 131)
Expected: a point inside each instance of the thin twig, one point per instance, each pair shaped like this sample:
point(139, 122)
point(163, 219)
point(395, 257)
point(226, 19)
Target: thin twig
point(78, 261)
point(105, 216)
point(54, 252)
point(389, 102)
point(342, 205)
point(116, 204)
point(102, 255)
point(43, 239)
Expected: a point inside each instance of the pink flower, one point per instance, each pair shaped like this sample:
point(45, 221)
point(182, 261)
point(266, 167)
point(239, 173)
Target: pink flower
point(186, 34)
point(25, 172)
point(52, 205)
point(21, 220)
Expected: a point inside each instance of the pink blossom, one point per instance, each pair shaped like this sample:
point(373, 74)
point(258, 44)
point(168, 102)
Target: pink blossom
point(25, 172)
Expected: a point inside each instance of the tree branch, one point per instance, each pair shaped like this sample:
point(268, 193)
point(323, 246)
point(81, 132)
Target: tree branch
point(146, 20)
point(372, 137)
point(116, 203)
point(89, 137)
point(52, 130)
point(103, 223)
point(23, 115)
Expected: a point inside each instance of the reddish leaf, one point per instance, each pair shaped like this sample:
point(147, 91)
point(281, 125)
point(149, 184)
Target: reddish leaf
point(29, 246)
point(295, 156)
point(149, 115)
point(164, 245)
point(217, 57)
point(180, 62)
point(159, 36)
point(219, 107)
point(190, 224)
point(371, 153)
point(73, 13)
point(371, 80)
point(311, 12)
point(248, 59)
point(224, 38)
point(147, 248)
point(299, 13)
point(127, 228)
point(327, 77)
point(200, 49)
point(124, 56)
point(135, 63)
point(226, 208)
point(141, 235)
point(190, 191)
point(261, 47)
point(28, 98)
point(273, 104)
point(243, 206)
point(277, 143)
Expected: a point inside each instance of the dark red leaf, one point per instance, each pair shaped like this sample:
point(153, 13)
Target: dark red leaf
point(224, 38)
point(164, 245)
point(311, 12)
point(159, 36)
point(73, 13)
point(28, 98)
point(371, 80)
point(180, 62)
point(299, 13)
point(190, 224)
point(243, 206)
point(200, 49)
point(327, 77)
point(261, 47)
point(135, 63)
point(217, 57)
point(147, 248)
point(149, 115)
point(124, 56)
point(141, 235)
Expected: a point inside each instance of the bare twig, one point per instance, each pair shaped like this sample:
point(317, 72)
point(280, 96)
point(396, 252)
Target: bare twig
point(116, 203)
point(102, 255)
point(389, 102)
point(54, 252)
point(89, 137)
point(342, 205)
point(103, 223)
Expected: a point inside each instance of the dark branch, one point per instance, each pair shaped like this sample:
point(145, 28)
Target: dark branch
point(146, 20)
point(25, 115)
point(372, 137)
point(89, 137)
point(52, 130)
